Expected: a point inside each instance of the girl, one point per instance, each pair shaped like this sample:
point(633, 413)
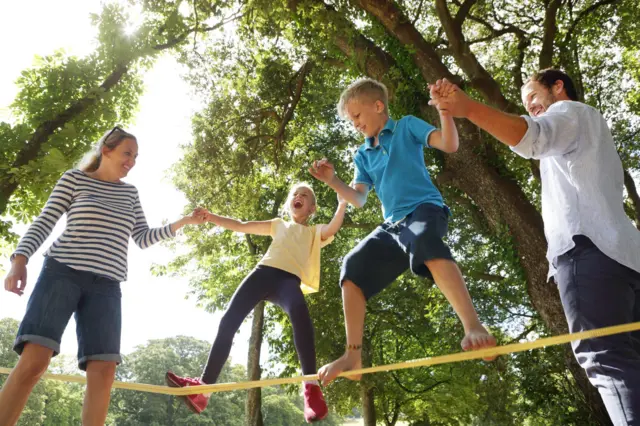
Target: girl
point(290, 268)
point(81, 274)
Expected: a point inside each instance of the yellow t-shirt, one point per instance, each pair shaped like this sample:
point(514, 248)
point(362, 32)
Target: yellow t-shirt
point(296, 249)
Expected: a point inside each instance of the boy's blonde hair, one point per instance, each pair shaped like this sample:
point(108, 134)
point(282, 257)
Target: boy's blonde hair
point(294, 188)
point(367, 88)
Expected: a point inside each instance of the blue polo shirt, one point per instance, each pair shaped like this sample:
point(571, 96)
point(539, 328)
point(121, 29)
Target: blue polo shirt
point(395, 167)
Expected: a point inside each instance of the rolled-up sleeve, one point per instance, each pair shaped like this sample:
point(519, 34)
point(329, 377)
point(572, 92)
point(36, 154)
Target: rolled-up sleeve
point(552, 134)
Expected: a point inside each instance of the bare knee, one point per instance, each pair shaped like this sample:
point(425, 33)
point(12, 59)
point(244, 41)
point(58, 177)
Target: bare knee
point(348, 284)
point(438, 263)
point(349, 288)
point(102, 371)
point(444, 270)
point(33, 362)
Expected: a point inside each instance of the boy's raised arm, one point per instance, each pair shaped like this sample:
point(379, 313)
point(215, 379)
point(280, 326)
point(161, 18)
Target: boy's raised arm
point(324, 171)
point(445, 139)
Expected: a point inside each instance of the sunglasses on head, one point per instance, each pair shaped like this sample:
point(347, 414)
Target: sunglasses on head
point(116, 128)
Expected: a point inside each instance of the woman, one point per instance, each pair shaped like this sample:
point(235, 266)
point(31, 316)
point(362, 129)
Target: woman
point(81, 274)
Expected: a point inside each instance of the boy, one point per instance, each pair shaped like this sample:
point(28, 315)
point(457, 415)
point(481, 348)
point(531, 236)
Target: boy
point(392, 161)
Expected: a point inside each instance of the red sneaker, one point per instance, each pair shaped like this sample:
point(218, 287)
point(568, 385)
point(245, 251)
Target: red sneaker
point(196, 403)
point(314, 406)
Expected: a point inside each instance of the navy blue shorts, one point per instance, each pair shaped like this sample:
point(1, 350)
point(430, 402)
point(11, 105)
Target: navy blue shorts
point(391, 249)
point(62, 291)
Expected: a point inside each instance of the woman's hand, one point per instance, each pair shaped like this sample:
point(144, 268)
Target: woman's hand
point(16, 280)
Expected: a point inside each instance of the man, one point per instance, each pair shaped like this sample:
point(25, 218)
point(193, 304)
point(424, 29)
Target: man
point(593, 248)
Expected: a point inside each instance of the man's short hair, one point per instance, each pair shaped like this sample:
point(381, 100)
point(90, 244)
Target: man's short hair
point(548, 77)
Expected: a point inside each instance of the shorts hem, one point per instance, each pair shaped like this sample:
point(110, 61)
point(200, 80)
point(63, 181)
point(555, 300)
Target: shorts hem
point(47, 342)
point(82, 362)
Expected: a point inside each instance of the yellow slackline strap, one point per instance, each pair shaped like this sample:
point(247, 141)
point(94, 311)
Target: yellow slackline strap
point(423, 362)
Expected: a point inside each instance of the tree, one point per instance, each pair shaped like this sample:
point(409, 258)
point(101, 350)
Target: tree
point(284, 408)
point(63, 405)
point(50, 403)
point(65, 103)
point(185, 356)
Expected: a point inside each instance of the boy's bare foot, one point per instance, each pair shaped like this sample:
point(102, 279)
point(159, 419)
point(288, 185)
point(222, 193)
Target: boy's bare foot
point(351, 360)
point(478, 338)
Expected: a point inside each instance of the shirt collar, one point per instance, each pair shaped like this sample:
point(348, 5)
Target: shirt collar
point(390, 126)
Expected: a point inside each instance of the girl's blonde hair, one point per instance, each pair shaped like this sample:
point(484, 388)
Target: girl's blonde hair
point(111, 139)
point(285, 209)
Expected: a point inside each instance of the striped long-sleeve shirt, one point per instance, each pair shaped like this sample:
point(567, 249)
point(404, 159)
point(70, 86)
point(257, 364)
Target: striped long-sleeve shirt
point(101, 216)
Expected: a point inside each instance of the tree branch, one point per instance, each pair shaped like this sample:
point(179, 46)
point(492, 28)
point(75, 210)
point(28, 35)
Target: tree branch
point(412, 391)
point(523, 45)
point(253, 249)
point(478, 75)
point(195, 33)
point(415, 19)
point(43, 132)
point(302, 75)
point(399, 25)
point(517, 12)
point(258, 137)
point(174, 41)
point(583, 14)
point(550, 30)
point(524, 334)
point(495, 34)
point(32, 147)
point(507, 27)
point(463, 12)
point(482, 275)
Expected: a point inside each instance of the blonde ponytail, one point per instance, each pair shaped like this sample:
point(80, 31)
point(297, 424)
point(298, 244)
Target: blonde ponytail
point(90, 162)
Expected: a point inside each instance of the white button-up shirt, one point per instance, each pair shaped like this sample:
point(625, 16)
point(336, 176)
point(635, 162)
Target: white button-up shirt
point(582, 182)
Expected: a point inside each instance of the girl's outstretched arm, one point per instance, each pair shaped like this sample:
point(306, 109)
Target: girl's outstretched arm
point(261, 227)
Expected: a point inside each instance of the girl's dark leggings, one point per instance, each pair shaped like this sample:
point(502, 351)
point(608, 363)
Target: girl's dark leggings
point(278, 287)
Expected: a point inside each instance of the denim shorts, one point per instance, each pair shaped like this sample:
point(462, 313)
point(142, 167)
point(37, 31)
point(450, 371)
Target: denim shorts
point(61, 291)
point(392, 248)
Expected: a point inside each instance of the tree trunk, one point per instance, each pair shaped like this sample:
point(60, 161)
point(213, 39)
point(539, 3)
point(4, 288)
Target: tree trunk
point(170, 420)
point(368, 407)
point(633, 195)
point(366, 386)
point(253, 412)
point(550, 30)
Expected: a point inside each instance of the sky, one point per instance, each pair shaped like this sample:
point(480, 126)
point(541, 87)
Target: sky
point(153, 307)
